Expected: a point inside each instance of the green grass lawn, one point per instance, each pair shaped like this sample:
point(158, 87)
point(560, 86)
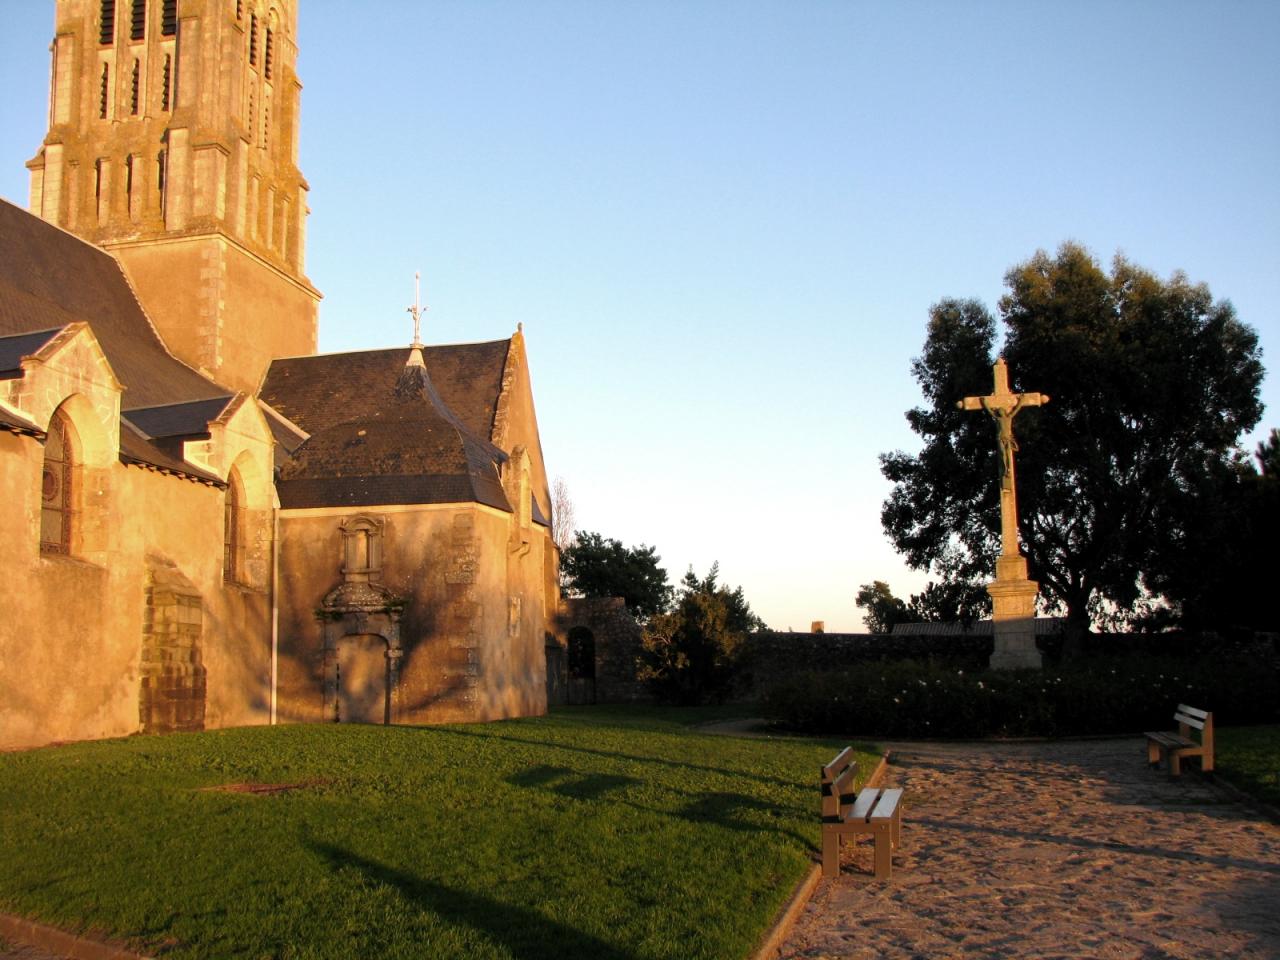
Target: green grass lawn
point(595, 832)
point(1250, 758)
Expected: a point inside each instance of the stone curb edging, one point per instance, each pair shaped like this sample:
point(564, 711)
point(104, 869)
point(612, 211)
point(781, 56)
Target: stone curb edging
point(53, 940)
point(1216, 779)
point(771, 945)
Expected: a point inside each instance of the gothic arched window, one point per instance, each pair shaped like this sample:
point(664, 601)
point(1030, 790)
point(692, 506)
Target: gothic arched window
point(57, 486)
point(233, 529)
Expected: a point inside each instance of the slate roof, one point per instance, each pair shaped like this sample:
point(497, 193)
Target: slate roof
point(50, 278)
point(16, 423)
point(323, 391)
point(382, 430)
point(178, 420)
point(19, 345)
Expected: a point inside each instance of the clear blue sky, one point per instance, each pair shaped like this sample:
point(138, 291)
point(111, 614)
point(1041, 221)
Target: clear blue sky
point(723, 224)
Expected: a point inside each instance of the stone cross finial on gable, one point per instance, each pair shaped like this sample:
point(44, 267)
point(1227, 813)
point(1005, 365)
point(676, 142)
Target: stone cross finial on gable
point(1003, 405)
point(416, 311)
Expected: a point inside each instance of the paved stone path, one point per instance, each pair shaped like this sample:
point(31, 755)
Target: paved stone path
point(1051, 850)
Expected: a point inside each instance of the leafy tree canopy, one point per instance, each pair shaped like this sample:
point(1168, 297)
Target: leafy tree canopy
point(941, 601)
point(1152, 384)
point(593, 566)
point(689, 653)
point(884, 610)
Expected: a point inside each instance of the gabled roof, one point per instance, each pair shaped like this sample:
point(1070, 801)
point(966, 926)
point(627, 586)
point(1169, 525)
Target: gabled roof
point(189, 419)
point(382, 432)
point(50, 279)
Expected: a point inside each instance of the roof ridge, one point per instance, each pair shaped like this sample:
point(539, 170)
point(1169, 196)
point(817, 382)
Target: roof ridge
point(425, 346)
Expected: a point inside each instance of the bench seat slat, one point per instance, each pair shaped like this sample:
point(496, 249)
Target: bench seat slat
point(861, 808)
point(886, 805)
point(1167, 739)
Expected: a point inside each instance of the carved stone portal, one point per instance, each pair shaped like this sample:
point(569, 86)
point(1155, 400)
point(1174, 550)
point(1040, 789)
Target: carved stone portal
point(360, 621)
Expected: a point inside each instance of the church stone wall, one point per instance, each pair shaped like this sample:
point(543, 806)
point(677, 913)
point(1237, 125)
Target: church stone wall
point(472, 624)
point(220, 308)
point(73, 635)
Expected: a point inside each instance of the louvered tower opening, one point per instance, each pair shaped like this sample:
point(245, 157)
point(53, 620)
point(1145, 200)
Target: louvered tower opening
point(107, 23)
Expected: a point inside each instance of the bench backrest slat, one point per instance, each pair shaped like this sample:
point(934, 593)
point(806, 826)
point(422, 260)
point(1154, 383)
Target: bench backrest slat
point(1188, 721)
point(1192, 711)
point(834, 793)
point(831, 770)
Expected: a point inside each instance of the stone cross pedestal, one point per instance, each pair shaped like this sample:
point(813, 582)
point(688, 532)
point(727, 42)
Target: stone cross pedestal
point(1013, 596)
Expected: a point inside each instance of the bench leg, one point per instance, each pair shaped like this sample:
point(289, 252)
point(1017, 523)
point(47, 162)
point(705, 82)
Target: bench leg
point(1153, 753)
point(830, 853)
point(884, 850)
point(896, 831)
point(1175, 763)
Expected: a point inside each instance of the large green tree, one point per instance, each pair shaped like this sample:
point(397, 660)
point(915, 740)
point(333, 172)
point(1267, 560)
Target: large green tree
point(596, 566)
point(1152, 384)
point(1220, 573)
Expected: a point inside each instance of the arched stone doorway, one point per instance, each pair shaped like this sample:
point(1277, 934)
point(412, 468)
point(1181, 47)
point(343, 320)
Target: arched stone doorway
point(581, 657)
point(362, 680)
point(361, 624)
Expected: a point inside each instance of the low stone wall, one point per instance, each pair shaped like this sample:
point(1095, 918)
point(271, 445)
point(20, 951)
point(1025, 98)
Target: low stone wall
point(617, 644)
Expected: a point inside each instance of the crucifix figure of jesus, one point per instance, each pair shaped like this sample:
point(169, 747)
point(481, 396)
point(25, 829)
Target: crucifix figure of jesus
point(1003, 405)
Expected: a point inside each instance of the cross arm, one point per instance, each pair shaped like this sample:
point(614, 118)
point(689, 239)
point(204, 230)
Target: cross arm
point(1010, 402)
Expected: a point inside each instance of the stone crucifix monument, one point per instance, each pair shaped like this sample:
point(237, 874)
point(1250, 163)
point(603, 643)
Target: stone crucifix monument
point(1013, 596)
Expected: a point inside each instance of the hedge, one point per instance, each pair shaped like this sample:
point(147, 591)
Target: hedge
point(913, 698)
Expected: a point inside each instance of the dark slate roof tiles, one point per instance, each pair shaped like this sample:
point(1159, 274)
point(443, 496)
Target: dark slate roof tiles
point(382, 431)
point(15, 347)
point(320, 391)
point(137, 449)
point(49, 278)
point(189, 419)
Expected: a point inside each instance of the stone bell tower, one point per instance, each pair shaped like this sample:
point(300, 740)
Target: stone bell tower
point(173, 143)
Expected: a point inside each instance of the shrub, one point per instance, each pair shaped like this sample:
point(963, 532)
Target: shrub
point(1104, 695)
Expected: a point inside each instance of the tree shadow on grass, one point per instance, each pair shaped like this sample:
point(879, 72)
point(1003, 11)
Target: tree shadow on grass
point(525, 933)
point(728, 809)
point(572, 783)
point(615, 755)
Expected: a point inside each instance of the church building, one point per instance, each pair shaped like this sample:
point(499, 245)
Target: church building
point(208, 524)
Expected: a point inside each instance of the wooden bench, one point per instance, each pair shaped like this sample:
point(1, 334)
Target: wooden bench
point(1180, 744)
point(871, 811)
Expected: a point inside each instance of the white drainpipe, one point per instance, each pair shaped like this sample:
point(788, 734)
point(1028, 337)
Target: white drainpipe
point(275, 603)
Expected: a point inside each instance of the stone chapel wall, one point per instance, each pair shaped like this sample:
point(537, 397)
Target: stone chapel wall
point(471, 624)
